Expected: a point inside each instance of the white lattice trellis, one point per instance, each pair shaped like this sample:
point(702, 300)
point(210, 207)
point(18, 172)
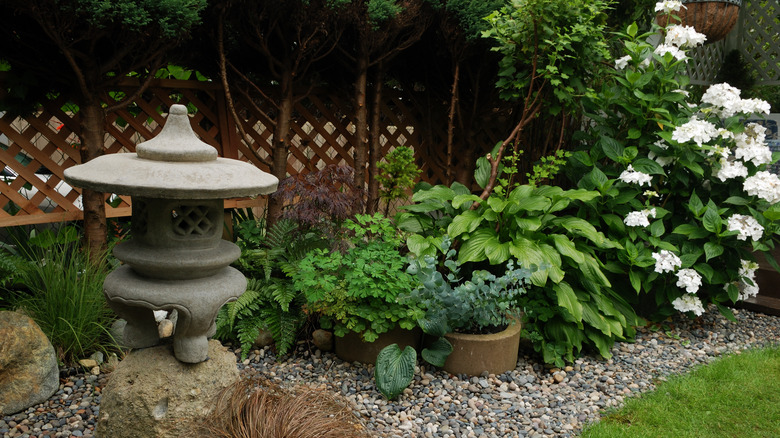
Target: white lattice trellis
point(759, 39)
point(707, 62)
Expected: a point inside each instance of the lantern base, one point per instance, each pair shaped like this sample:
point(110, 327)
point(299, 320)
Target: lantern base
point(197, 301)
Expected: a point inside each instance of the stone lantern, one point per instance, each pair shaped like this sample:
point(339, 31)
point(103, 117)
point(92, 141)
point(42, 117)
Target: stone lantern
point(176, 259)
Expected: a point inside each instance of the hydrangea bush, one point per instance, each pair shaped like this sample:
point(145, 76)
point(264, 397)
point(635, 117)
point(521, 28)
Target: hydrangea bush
point(685, 187)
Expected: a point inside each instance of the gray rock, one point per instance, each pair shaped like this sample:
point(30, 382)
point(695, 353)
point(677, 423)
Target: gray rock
point(151, 394)
point(28, 365)
point(322, 339)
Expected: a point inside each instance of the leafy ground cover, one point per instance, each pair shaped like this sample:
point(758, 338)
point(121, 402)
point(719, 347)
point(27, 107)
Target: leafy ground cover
point(737, 396)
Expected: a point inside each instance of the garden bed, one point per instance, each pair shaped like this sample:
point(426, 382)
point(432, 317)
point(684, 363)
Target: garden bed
point(528, 401)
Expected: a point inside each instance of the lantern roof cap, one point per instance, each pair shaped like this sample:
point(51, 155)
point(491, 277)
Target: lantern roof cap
point(175, 164)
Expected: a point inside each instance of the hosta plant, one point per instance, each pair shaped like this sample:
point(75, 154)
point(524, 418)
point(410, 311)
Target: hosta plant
point(571, 302)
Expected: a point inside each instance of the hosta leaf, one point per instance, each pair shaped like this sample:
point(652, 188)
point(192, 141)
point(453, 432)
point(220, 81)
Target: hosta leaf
point(473, 249)
point(436, 354)
point(465, 222)
point(459, 200)
point(496, 251)
point(394, 370)
point(567, 248)
point(568, 300)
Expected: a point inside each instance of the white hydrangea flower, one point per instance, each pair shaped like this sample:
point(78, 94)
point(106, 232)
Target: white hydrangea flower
point(666, 261)
point(651, 194)
point(725, 134)
point(689, 303)
point(621, 63)
point(668, 6)
point(751, 145)
point(763, 184)
point(639, 218)
point(747, 291)
point(748, 269)
point(754, 106)
point(662, 161)
point(663, 49)
point(724, 99)
point(731, 169)
point(634, 176)
point(689, 279)
point(700, 131)
point(680, 36)
point(747, 226)
point(644, 64)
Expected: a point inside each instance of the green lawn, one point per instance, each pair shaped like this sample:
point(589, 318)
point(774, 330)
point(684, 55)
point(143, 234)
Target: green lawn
point(737, 396)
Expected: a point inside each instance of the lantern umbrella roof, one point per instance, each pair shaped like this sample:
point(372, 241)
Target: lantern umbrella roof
point(175, 164)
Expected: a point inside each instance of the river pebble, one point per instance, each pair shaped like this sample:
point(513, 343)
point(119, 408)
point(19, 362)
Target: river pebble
point(532, 401)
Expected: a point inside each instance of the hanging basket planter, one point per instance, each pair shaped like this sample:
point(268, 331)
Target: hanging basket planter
point(714, 18)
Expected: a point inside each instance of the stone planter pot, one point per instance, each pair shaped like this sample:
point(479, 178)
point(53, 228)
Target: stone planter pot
point(350, 348)
point(474, 354)
point(714, 18)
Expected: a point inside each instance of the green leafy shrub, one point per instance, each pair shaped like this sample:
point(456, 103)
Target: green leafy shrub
point(683, 187)
point(64, 294)
point(396, 175)
point(572, 303)
point(356, 290)
point(270, 301)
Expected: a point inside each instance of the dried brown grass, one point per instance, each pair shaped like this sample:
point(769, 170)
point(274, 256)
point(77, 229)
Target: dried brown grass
point(258, 408)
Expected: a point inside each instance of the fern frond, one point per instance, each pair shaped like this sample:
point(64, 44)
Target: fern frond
point(280, 234)
point(283, 293)
point(246, 300)
point(284, 327)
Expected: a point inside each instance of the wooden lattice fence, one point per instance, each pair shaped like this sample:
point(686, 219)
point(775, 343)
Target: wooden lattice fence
point(35, 150)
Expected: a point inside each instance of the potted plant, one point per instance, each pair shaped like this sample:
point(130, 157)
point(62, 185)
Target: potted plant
point(714, 18)
point(475, 322)
point(354, 289)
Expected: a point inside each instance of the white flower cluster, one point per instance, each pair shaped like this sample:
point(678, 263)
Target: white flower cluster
point(639, 218)
point(666, 261)
point(663, 49)
point(689, 279)
point(681, 36)
point(748, 272)
point(700, 131)
point(731, 169)
point(630, 175)
point(763, 184)
point(689, 303)
point(726, 102)
point(668, 6)
point(751, 145)
point(747, 226)
point(621, 63)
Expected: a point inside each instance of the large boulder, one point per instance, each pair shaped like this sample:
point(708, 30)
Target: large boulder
point(152, 394)
point(29, 374)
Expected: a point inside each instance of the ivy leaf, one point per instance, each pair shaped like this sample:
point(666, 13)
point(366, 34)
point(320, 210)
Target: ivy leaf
point(394, 370)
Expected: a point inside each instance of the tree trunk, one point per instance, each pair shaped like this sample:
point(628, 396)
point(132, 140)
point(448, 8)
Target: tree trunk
point(361, 123)
point(93, 120)
point(451, 121)
point(281, 143)
point(374, 155)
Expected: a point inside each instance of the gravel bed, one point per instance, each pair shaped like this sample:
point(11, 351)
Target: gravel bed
point(531, 401)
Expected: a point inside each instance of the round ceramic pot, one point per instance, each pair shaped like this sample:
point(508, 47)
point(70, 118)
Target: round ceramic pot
point(351, 348)
point(495, 353)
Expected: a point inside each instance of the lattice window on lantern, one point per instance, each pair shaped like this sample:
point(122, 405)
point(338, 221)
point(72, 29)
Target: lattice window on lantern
point(190, 220)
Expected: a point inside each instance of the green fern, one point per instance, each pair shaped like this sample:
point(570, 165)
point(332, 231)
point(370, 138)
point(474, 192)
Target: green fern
point(268, 259)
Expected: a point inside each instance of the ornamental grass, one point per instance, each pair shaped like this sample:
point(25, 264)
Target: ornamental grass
point(258, 408)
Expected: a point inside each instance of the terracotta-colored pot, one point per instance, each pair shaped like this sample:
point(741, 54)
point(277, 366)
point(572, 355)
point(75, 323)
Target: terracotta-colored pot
point(714, 18)
point(351, 348)
point(474, 354)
